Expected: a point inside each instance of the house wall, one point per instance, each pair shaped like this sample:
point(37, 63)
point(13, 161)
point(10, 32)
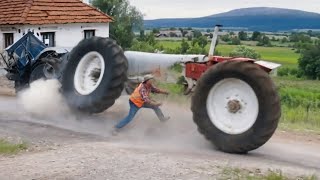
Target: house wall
point(66, 35)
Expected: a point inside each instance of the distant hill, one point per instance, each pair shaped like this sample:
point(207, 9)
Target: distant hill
point(259, 18)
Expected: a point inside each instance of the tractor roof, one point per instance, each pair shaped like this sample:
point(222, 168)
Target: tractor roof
point(49, 12)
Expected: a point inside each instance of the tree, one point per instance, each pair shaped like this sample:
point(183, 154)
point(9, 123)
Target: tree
point(141, 46)
point(155, 31)
point(146, 44)
point(197, 33)
point(142, 35)
point(202, 41)
point(300, 46)
point(184, 46)
point(196, 49)
point(150, 39)
point(245, 51)
point(243, 36)
point(309, 62)
point(256, 36)
point(194, 41)
point(284, 40)
point(225, 38)
point(235, 41)
point(126, 19)
point(183, 32)
point(299, 37)
point(264, 41)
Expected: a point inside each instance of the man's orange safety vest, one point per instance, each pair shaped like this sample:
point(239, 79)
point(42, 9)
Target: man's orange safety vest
point(136, 97)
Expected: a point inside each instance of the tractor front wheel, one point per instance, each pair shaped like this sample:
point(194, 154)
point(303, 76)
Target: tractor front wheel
point(236, 106)
point(94, 75)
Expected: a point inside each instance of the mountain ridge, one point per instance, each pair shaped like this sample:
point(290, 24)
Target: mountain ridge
point(256, 18)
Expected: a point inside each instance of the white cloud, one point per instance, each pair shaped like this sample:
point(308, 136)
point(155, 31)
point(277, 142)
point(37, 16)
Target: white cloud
point(196, 8)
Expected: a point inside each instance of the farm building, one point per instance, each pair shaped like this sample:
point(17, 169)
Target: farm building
point(61, 23)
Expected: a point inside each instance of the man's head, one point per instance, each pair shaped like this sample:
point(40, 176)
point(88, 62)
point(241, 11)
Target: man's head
point(147, 79)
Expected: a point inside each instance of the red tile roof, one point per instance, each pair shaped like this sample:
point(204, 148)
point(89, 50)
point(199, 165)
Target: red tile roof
point(49, 12)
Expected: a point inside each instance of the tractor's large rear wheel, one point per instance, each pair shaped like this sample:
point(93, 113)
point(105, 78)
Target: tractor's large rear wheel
point(94, 75)
point(236, 106)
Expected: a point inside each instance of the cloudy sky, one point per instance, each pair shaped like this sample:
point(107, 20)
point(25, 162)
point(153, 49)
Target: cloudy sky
point(153, 9)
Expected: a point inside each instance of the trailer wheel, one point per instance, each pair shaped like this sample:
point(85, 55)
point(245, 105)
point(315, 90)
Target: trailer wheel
point(236, 106)
point(37, 73)
point(94, 75)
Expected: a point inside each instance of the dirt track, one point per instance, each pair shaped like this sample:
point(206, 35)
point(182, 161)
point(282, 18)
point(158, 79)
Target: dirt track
point(68, 146)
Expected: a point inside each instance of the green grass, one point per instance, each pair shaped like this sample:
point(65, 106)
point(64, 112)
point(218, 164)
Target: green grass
point(300, 100)
point(300, 119)
point(9, 148)
point(170, 44)
point(239, 174)
point(282, 55)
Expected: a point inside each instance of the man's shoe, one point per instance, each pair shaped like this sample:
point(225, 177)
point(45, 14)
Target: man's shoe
point(115, 131)
point(165, 118)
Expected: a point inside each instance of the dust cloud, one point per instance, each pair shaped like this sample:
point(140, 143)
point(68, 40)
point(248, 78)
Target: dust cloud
point(43, 99)
point(44, 104)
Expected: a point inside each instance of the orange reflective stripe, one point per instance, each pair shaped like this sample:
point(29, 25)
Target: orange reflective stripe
point(136, 97)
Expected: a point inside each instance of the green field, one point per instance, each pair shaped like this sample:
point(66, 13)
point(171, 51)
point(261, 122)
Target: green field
point(283, 55)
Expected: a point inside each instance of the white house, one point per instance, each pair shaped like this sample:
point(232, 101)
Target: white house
point(56, 23)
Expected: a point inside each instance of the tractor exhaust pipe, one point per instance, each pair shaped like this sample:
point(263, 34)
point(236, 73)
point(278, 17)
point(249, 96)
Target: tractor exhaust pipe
point(214, 39)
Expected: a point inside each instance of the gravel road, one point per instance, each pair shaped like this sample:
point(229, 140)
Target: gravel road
point(76, 146)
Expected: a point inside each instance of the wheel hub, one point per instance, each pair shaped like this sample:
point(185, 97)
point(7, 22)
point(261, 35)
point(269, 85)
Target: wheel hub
point(234, 106)
point(89, 73)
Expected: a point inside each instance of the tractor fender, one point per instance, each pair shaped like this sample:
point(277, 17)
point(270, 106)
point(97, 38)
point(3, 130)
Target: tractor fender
point(48, 50)
point(265, 65)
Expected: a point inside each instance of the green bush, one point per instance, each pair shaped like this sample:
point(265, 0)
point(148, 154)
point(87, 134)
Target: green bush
point(289, 71)
point(177, 67)
point(245, 51)
point(181, 80)
point(283, 71)
point(309, 62)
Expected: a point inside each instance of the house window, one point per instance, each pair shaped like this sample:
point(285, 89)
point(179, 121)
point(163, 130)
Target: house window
point(89, 33)
point(8, 39)
point(48, 39)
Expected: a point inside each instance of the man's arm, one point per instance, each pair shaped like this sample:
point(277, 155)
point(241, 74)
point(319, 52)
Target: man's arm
point(146, 99)
point(157, 90)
